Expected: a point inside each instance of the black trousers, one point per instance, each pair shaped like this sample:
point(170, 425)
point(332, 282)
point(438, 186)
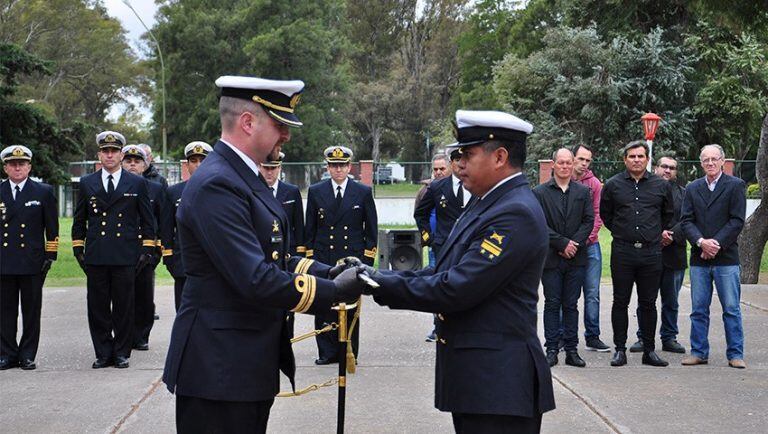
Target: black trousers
point(144, 305)
point(640, 267)
point(328, 342)
point(30, 289)
point(110, 309)
point(495, 423)
point(205, 416)
point(178, 286)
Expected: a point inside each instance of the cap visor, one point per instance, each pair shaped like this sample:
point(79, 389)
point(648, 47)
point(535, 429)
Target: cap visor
point(462, 144)
point(289, 119)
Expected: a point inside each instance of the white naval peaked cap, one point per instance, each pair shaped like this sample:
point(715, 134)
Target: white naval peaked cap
point(477, 126)
point(16, 152)
point(278, 97)
point(110, 139)
point(134, 151)
point(197, 148)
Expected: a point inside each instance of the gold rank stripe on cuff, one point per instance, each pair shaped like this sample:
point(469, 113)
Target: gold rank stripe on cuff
point(301, 249)
point(51, 246)
point(303, 266)
point(159, 243)
point(490, 248)
point(148, 243)
point(167, 252)
point(309, 253)
point(78, 243)
point(370, 253)
point(306, 285)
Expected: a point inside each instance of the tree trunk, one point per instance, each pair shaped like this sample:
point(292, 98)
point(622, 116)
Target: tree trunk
point(755, 234)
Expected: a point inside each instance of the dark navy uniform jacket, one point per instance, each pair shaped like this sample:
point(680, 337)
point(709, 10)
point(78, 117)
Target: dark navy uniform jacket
point(485, 290)
point(157, 203)
point(109, 228)
point(24, 222)
point(350, 230)
point(438, 196)
point(231, 337)
point(290, 197)
point(169, 233)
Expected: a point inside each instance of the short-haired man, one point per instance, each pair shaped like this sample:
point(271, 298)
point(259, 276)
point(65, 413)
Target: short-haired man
point(567, 207)
point(491, 373)
point(290, 197)
point(29, 217)
point(673, 261)
point(195, 152)
point(713, 216)
point(150, 172)
point(135, 161)
point(113, 240)
point(591, 288)
point(636, 206)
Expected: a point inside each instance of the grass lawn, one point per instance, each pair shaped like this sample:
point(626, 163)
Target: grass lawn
point(66, 272)
point(403, 189)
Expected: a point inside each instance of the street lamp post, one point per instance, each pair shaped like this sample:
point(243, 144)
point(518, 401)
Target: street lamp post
point(650, 125)
point(162, 76)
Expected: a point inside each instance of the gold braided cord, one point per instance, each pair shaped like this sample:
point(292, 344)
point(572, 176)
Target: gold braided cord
point(310, 388)
point(351, 361)
point(313, 333)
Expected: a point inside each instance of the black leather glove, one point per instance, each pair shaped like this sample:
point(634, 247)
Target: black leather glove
point(155, 260)
point(169, 260)
point(80, 257)
point(348, 286)
point(348, 262)
point(46, 266)
point(144, 260)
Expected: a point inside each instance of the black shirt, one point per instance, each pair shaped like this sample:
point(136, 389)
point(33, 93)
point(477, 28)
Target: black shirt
point(570, 216)
point(674, 255)
point(637, 211)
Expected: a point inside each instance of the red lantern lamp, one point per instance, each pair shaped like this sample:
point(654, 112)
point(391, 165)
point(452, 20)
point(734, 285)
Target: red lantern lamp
point(650, 124)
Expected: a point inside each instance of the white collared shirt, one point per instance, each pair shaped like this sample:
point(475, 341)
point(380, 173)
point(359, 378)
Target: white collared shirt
point(246, 159)
point(115, 178)
point(274, 188)
point(343, 186)
point(499, 183)
point(21, 187)
point(711, 185)
point(467, 195)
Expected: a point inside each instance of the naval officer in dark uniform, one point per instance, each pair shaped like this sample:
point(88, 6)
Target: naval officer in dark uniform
point(230, 338)
point(289, 196)
point(491, 373)
point(135, 161)
point(112, 210)
point(341, 222)
point(30, 240)
point(195, 153)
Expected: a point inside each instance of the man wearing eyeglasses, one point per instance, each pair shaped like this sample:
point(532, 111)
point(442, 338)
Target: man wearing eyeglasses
point(673, 261)
point(713, 214)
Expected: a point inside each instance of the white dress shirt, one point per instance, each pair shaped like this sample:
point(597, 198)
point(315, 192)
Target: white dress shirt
point(246, 159)
point(115, 178)
point(343, 186)
point(21, 187)
point(467, 194)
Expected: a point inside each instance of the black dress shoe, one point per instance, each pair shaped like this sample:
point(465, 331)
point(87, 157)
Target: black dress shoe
point(27, 364)
point(637, 347)
point(324, 361)
point(653, 359)
point(101, 363)
point(121, 362)
point(8, 364)
point(552, 357)
point(672, 346)
point(141, 346)
point(619, 358)
point(572, 358)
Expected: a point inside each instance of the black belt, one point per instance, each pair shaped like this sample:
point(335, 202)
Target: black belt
point(635, 244)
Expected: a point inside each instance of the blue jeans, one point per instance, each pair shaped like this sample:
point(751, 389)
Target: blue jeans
point(727, 280)
point(591, 290)
point(671, 281)
point(561, 293)
point(431, 256)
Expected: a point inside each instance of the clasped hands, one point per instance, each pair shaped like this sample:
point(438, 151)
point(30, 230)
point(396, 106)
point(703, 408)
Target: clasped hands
point(345, 275)
point(570, 250)
point(709, 248)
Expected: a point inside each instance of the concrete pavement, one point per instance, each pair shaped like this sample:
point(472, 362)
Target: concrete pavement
point(392, 391)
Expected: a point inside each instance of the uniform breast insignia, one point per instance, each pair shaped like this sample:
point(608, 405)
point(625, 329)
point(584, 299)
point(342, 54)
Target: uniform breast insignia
point(321, 214)
point(32, 203)
point(275, 227)
point(178, 202)
point(492, 245)
point(443, 201)
point(130, 194)
point(289, 201)
point(2, 211)
point(92, 200)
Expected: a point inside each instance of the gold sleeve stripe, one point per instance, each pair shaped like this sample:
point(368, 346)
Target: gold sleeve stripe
point(370, 253)
point(309, 253)
point(425, 235)
point(167, 252)
point(78, 243)
point(148, 243)
point(303, 265)
point(51, 249)
point(490, 248)
point(306, 285)
point(301, 249)
point(159, 243)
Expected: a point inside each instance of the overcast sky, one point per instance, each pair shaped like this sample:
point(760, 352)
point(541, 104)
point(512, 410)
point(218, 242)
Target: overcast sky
point(145, 8)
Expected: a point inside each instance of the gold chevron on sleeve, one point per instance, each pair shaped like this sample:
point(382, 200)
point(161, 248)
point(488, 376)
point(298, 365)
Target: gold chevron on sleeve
point(303, 266)
point(306, 285)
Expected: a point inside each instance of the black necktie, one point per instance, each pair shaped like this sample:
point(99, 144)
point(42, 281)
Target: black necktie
point(272, 189)
point(110, 186)
point(460, 195)
point(338, 195)
point(18, 191)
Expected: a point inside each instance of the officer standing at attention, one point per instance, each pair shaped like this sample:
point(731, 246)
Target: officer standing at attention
point(195, 152)
point(230, 337)
point(28, 212)
point(491, 373)
point(290, 197)
point(135, 161)
point(341, 222)
point(112, 210)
